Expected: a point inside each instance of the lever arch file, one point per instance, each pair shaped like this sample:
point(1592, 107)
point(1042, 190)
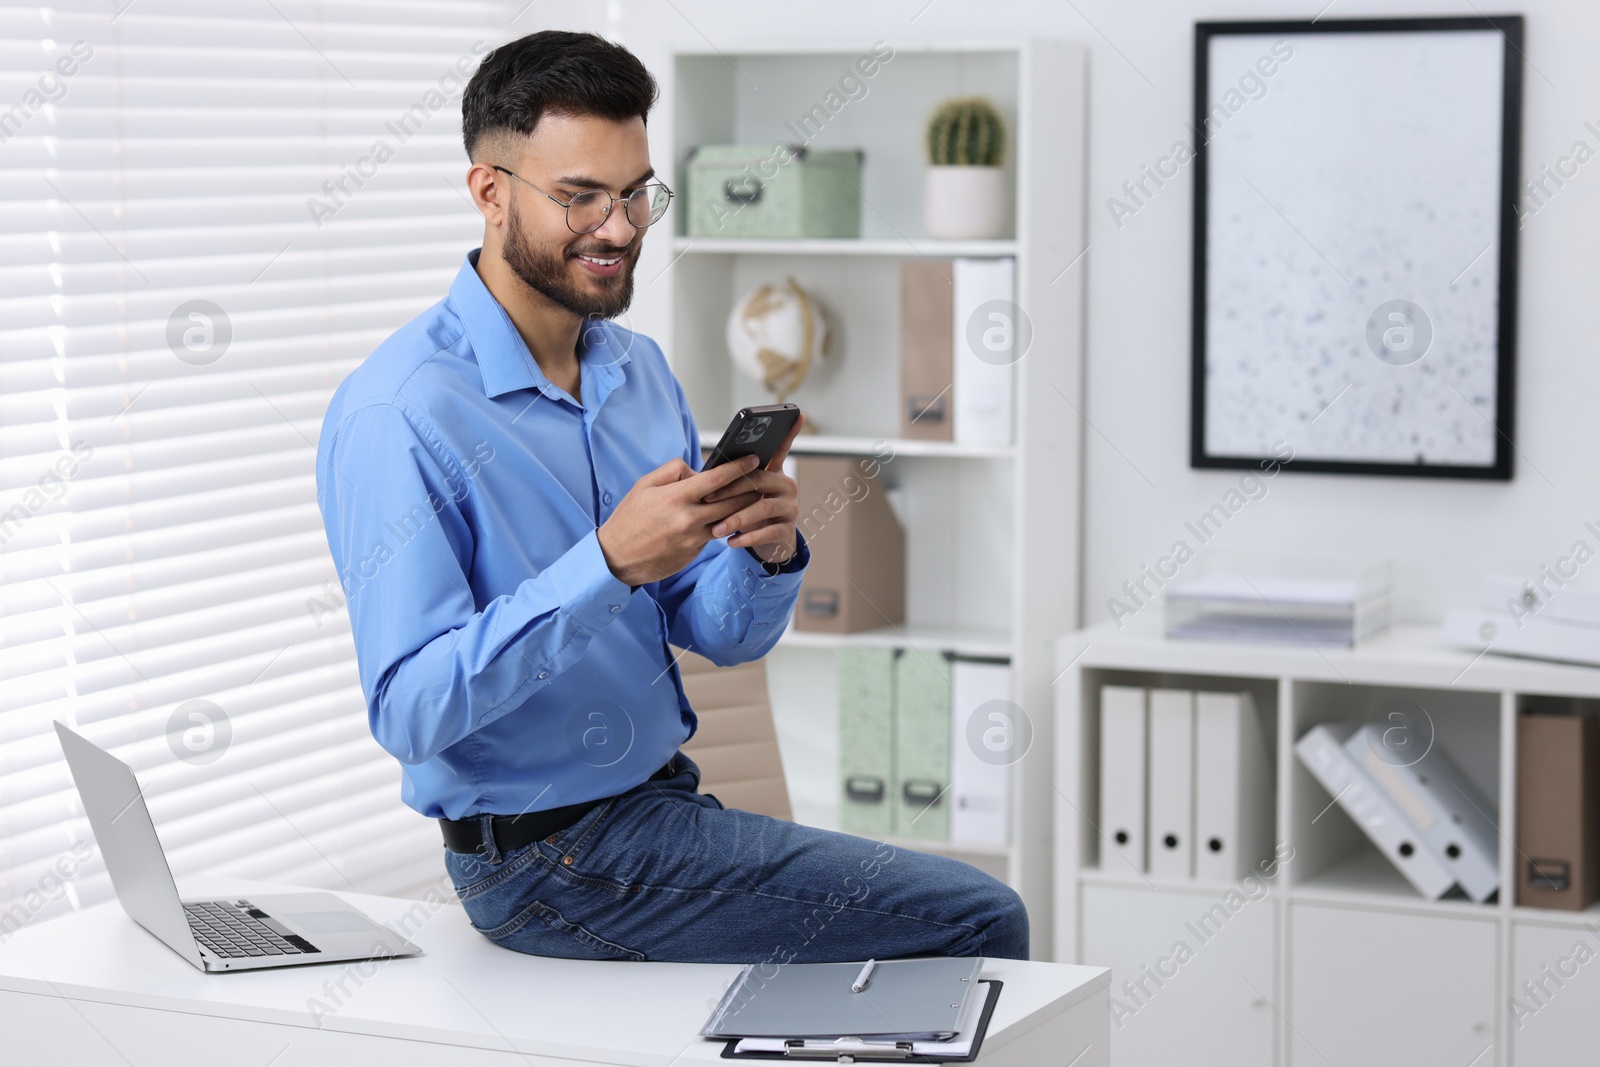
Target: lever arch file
point(1232, 787)
point(1172, 782)
point(1124, 729)
point(1322, 750)
point(1442, 803)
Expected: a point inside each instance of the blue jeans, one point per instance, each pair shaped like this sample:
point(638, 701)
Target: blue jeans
point(664, 872)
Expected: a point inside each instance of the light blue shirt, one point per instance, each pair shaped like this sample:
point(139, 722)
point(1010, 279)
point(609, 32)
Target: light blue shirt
point(502, 662)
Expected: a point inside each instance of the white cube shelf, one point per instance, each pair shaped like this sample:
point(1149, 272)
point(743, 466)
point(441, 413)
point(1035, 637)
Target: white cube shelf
point(1334, 953)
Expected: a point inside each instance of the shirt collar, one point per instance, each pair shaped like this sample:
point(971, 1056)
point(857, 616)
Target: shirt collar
point(503, 357)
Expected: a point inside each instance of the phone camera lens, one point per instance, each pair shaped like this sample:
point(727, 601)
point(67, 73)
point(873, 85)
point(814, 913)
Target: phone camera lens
point(753, 430)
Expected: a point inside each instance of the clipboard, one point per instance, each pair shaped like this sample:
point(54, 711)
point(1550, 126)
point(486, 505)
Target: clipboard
point(898, 1052)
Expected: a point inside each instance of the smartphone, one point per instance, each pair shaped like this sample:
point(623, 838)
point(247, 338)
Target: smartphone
point(758, 432)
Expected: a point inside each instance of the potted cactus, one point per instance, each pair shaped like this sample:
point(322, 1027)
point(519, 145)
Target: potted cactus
point(965, 192)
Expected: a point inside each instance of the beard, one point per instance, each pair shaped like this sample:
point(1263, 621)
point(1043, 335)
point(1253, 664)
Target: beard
point(545, 270)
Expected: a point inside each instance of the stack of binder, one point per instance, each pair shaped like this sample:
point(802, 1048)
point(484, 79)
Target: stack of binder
point(1523, 619)
point(1185, 783)
point(930, 1010)
point(907, 765)
point(1423, 813)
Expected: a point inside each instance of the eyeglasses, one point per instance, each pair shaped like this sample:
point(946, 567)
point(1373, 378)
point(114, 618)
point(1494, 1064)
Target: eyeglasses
point(587, 211)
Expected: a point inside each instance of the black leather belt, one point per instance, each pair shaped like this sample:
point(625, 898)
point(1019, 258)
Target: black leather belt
point(515, 831)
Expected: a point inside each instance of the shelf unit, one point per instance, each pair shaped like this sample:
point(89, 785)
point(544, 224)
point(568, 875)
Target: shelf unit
point(1334, 958)
point(973, 537)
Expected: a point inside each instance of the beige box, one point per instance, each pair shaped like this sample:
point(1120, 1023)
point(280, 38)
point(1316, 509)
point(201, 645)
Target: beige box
point(927, 315)
point(856, 579)
point(1558, 811)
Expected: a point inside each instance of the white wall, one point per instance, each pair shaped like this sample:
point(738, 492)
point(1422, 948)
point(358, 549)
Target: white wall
point(1442, 535)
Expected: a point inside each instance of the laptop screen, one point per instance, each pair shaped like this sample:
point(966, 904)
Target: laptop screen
point(128, 841)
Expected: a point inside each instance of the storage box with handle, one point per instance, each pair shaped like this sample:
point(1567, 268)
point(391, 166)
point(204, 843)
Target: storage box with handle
point(775, 190)
point(857, 576)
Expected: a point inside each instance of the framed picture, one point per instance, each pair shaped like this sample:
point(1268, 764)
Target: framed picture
point(1355, 245)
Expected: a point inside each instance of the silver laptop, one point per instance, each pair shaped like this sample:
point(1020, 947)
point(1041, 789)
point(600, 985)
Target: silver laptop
point(277, 930)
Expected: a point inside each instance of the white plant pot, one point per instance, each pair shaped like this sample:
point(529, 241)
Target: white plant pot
point(965, 202)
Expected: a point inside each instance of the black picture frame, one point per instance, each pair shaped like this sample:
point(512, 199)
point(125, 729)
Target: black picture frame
point(1511, 29)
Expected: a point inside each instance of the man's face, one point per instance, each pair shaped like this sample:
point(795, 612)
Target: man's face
point(591, 275)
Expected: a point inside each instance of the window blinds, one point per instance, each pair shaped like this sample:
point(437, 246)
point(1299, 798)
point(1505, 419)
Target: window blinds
point(209, 214)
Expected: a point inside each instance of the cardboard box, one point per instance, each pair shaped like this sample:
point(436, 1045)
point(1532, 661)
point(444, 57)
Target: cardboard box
point(1558, 811)
point(857, 576)
point(927, 310)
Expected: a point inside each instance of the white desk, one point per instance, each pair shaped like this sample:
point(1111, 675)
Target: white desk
point(93, 989)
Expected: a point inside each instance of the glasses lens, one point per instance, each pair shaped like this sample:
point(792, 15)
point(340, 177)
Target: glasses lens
point(587, 212)
point(647, 204)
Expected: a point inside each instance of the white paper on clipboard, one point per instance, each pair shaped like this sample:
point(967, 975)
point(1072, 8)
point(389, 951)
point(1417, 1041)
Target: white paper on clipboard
point(955, 1048)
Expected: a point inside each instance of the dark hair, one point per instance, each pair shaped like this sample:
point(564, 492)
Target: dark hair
point(556, 72)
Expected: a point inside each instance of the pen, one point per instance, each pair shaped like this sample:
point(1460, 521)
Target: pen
point(861, 979)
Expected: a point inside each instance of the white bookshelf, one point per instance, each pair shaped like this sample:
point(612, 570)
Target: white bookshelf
point(974, 536)
point(1341, 960)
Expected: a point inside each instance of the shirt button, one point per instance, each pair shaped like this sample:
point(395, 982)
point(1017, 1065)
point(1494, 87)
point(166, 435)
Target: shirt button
point(615, 608)
point(606, 499)
point(543, 675)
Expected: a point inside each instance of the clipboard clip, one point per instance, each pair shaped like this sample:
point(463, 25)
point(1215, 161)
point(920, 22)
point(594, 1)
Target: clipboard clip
point(847, 1050)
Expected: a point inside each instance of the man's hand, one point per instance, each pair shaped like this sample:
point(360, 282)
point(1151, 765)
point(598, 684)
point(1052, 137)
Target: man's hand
point(765, 526)
point(665, 519)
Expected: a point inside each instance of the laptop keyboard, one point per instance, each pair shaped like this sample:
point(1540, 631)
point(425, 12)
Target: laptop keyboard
point(228, 932)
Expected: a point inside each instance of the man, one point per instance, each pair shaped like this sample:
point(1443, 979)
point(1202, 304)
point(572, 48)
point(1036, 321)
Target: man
point(510, 491)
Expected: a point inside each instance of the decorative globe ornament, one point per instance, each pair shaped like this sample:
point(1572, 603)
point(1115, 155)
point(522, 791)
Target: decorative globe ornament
point(775, 334)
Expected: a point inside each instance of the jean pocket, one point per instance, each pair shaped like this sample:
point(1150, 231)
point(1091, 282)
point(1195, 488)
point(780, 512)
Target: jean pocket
point(541, 930)
point(570, 840)
point(473, 874)
point(587, 853)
